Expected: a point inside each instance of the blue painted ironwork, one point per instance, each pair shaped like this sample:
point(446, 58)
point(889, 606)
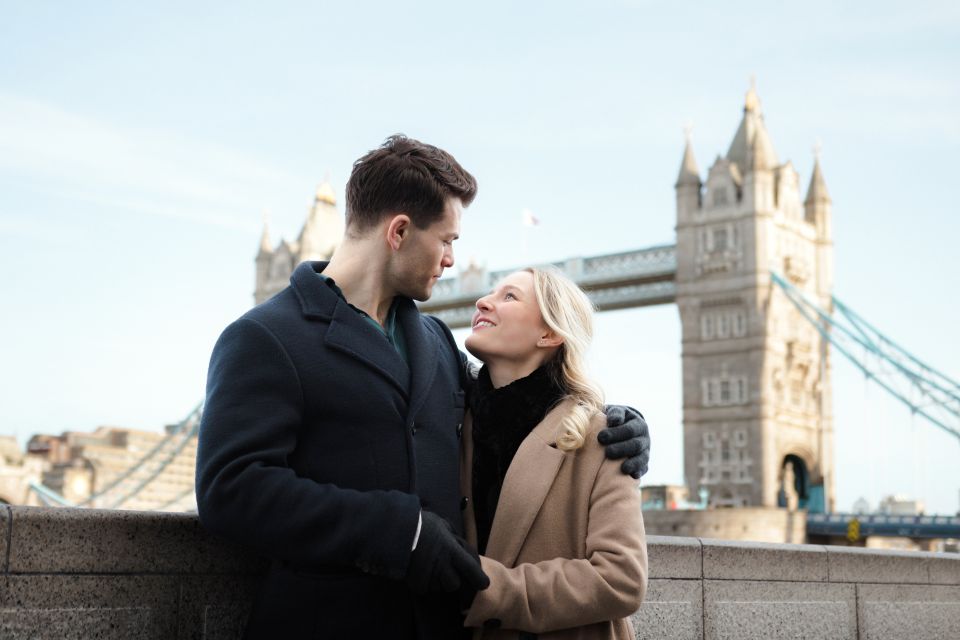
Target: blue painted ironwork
point(926, 391)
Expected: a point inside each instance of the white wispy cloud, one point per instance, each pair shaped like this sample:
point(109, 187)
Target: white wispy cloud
point(147, 171)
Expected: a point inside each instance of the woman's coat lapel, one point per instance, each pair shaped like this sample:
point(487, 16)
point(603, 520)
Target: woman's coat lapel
point(528, 480)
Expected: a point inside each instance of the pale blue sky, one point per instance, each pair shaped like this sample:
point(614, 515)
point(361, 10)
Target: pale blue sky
point(139, 147)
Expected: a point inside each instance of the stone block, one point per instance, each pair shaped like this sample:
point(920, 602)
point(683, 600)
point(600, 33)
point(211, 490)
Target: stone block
point(672, 610)
point(113, 607)
point(731, 560)
point(674, 557)
point(215, 607)
point(47, 540)
point(754, 610)
point(854, 564)
point(944, 568)
point(910, 612)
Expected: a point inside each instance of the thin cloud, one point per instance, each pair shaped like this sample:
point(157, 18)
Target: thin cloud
point(153, 172)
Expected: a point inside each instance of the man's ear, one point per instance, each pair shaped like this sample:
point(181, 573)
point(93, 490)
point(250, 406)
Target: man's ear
point(397, 230)
point(550, 339)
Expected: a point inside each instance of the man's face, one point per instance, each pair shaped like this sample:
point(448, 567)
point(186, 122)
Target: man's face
point(425, 253)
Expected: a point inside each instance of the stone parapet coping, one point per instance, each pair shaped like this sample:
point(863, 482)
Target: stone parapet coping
point(672, 557)
point(54, 540)
point(78, 573)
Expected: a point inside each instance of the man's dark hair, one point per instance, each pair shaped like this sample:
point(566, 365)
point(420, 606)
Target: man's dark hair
point(405, 175)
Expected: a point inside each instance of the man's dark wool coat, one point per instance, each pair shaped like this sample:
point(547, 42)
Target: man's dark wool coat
point(318, 448)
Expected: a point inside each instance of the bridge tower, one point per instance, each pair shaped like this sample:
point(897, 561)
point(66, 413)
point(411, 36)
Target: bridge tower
point(318, 239)
point(757, 417)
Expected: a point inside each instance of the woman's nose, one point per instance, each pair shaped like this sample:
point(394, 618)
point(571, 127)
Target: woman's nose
point(483, 304)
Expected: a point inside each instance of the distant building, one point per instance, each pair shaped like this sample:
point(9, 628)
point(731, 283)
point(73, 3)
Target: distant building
point(17, 471)
point(900, 505)
point(664, 496)
point(132, 469)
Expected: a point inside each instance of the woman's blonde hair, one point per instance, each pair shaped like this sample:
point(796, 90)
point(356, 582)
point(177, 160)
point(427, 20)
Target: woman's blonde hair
point(568, 312)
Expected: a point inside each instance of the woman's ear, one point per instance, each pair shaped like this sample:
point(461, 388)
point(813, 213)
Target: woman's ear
point(397, 230)
point(550, 339)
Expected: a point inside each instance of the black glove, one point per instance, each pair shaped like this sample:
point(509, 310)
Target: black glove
point(441, 562)
point(626, 436)
point(467, 592)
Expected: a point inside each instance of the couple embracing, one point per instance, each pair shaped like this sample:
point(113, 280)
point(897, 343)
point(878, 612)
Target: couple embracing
point(398, 492)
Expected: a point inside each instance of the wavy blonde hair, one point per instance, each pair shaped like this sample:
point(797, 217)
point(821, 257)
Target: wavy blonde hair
point(568, 312)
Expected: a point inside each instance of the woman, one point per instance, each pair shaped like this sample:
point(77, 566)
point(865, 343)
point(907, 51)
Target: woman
point(557, 525)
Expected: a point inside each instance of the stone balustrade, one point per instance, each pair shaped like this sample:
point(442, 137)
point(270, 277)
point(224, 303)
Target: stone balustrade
point(71, 573)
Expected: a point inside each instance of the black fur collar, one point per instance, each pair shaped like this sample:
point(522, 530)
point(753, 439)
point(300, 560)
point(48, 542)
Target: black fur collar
point(502, 418)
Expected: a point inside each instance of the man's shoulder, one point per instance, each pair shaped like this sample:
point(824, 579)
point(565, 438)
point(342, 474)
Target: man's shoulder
point(282, 305)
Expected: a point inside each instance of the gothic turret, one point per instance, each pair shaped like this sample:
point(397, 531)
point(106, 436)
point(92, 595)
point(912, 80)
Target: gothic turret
point(318, 239)
point(264, 256)
point(818, 212)
point(324, 226)
point(817, 195)
point(688, 184)
point(753, 154)
point(265, 247)
point(751, 147)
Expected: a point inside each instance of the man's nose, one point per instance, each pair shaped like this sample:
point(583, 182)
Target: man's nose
point(447, 261)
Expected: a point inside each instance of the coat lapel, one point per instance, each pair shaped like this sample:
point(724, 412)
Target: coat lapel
point(355, 336)
point(423, 349)
point(348, 333)
point(526, 485)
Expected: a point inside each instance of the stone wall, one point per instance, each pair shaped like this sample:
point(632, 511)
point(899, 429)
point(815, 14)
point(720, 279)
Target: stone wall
point(70, 573)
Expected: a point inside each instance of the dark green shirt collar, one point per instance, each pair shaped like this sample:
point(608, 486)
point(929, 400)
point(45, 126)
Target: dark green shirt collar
point(391, 329)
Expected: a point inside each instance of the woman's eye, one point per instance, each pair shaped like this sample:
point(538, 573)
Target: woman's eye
point(509, 296)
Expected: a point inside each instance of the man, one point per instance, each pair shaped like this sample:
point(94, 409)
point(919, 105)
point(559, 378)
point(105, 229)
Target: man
point(333, 415)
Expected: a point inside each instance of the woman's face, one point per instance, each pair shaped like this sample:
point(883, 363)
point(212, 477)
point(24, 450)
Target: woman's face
point(508, 324)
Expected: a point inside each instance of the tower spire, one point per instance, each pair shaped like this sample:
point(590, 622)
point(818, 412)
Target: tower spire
point(751, 147)
point(817, 191)
point(689, 173)
point(265, 245)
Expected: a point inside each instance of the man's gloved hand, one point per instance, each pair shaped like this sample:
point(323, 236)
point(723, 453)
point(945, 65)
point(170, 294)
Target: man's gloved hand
point(626, 436)
point(467, 592)
point(441, 562)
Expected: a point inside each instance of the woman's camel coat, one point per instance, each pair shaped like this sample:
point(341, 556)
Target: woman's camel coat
point(567, 556)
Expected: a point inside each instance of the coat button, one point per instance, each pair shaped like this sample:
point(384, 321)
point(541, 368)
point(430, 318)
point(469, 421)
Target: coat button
point(464, 501)
point(459, 429)
point(492, 623)
point(413, 430)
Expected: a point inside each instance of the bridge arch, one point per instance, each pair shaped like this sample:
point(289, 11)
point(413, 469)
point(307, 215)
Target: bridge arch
point(793, 479)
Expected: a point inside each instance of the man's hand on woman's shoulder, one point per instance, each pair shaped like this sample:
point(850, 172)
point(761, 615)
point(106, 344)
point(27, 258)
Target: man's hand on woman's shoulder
point(626, 436)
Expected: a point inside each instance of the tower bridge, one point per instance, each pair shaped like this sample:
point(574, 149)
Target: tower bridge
point(757, 411)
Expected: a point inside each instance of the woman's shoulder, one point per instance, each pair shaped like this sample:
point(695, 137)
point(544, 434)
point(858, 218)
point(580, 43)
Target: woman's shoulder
point(591, 446)
point(598, 422)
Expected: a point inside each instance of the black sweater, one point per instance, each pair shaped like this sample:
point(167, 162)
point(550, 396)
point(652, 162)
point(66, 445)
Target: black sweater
point(502, 418)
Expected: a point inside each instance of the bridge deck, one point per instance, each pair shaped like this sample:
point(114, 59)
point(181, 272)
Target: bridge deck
point(835, 524)
point(639, 278)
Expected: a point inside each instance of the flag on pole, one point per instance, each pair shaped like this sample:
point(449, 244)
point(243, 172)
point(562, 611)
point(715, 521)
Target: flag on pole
point(529, 220)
